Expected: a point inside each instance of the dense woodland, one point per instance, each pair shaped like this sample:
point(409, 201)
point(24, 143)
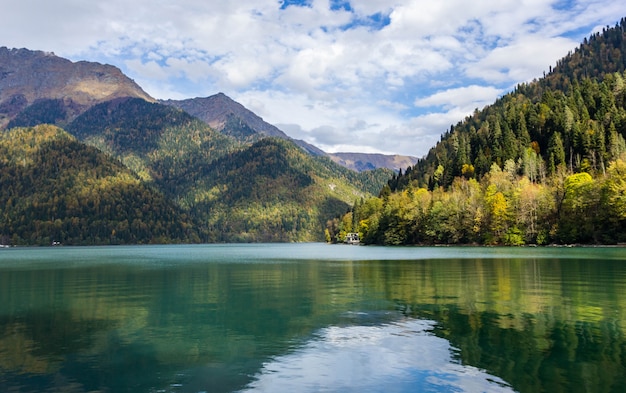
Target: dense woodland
point(56, 189)
point(543, 164)
point(274, 191)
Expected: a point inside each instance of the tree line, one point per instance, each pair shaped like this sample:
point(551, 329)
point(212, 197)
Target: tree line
point(503, 208)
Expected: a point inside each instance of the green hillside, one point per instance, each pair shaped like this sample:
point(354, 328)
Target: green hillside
point(269, 191)
point(274, 191)
point(542, 164)
point(163, 145)
point(56, 189)
point(574, 116)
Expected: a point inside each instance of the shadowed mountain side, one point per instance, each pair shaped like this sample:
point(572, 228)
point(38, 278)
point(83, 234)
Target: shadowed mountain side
point(161, 144)
point(273, 191)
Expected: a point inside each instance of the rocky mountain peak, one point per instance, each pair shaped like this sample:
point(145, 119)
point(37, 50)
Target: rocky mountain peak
point(27, 76)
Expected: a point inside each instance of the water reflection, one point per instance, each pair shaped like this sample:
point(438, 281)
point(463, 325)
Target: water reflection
point(191, 319)
point(399, 357)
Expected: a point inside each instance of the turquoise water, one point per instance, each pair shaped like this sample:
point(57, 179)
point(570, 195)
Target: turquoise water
point(312, 317)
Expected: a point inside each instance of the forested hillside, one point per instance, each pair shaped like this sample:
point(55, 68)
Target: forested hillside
point(274, 191)
point(542, 164)
point(163, 145)
point(270, 191)
point(56, 189)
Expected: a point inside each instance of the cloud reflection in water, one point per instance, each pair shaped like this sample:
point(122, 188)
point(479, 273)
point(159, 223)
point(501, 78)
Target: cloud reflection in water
point(399, 357)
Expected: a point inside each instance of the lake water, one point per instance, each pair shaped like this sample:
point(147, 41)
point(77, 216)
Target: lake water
point(312, 317)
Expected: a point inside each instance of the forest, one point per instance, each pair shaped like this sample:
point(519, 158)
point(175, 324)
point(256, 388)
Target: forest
point(55, 189)
point(544, 164)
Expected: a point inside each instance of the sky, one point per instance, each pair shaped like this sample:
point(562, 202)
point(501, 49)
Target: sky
point(372, 76)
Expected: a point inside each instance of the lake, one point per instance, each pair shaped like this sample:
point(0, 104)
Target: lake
point(312, 317)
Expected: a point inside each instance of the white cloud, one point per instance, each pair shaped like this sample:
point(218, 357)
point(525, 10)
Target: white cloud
point(521, 61)
point(317, 68)
point(401, 356)
point(461, 97)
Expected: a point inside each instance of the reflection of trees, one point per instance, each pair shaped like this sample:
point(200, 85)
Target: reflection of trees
point(107, 327)
point(552, 326)
point(538, 356)
point(35, 349)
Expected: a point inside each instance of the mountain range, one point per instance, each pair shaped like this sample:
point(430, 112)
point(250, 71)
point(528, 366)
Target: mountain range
point(220, 168)
point(230, 117)
point(39, 87)
point(544, 163)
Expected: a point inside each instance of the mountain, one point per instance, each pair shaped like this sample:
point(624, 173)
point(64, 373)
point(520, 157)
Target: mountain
point(270, 190)
point(209, 163)
point(274, 191)
point(231, 118)
point(56, 189)
point(543, 164)
point(56, 88)
point(164, 145)
point(366, 162)
point(41, 88)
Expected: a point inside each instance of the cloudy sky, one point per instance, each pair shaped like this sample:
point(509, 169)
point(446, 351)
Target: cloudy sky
point(386, 76)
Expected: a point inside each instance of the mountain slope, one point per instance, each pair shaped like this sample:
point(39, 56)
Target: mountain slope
point(163, 145)
point(566, 118)
point(54, 188)
point(242, 192)
point(27, 77)
point(274, 191)
point(231, 118)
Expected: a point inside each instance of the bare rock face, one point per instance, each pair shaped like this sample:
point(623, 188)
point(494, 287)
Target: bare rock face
point(364, 162)
point(28, 76)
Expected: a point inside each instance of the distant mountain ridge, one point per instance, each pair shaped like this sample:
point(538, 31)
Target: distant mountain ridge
point(231, 118)
point(29, 76)
point(366, 162)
